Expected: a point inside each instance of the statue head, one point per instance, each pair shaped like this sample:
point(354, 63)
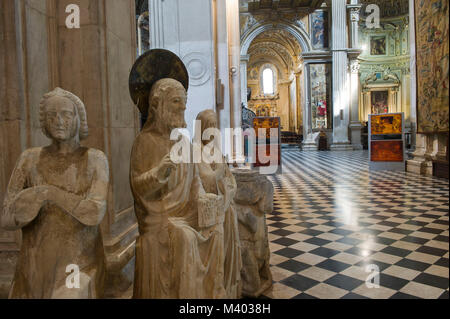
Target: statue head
point(208, 119)
point(63, 116)
point(167, 104)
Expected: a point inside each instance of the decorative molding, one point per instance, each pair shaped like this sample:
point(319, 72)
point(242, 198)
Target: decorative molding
point(198, 68)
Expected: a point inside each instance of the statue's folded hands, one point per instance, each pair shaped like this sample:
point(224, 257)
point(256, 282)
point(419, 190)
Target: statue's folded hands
point(24, 208)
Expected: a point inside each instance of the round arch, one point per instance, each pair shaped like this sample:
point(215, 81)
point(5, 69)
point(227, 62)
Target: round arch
point(298, 34)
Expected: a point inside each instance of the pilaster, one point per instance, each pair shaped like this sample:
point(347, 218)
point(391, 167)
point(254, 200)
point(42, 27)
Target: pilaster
point(340, 77)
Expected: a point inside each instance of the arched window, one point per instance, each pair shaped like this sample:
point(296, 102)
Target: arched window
point(268, 81)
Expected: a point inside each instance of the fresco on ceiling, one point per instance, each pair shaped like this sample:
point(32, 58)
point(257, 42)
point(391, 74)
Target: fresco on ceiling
point(319, 29)
point(432, 47)
point(379, 102)
point(378, 45)
point(320, 80)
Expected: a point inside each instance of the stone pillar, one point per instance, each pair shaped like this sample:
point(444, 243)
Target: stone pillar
point(365, 110)
point(413, 90)
point(341, 116)
point(243, 69)
point(355, 8)
point(234, 49)
point(187, 28)
point(299, 126)
point(292, 104)
point(355, 124)
point(418, 163)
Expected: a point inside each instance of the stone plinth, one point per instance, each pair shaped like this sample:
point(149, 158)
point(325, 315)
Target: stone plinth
point(311, 142)
point(254, 199)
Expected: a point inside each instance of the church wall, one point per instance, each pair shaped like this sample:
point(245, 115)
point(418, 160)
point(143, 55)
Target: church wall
point(276, 105)
point(93, 62)
point(385, 52)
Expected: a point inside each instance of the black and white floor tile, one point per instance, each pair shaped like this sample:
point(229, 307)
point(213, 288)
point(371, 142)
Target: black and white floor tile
point(335, 222)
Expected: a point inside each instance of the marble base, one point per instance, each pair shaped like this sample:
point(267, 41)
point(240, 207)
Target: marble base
point(310, 147)
point(341, 147)
point(356, 136)
point(421, 167)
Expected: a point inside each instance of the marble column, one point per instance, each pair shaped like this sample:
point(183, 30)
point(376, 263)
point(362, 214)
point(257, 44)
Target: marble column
point(243, 69)
point(355, 124)
point(234, 49)
point(292, 104)
point(355, 9)
point(418, 163)
point(188, 29)
point(341, 94)
point(413, 79)
point(299, 128)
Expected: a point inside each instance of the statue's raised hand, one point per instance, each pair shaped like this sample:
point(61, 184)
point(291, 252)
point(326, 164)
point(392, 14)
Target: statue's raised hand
point(165, 168)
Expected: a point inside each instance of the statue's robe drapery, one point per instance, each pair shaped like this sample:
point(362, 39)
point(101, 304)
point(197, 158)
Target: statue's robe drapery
point(56, 238)
point(175, 257)
point(217, 178)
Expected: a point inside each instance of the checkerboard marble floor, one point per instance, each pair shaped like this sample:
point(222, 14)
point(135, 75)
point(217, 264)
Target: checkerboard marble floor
point(335, 223)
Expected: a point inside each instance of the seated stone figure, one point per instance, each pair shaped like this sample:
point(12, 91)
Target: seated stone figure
point(57, 196)
point(253, 200)
point(178, 254)
point(216, 178)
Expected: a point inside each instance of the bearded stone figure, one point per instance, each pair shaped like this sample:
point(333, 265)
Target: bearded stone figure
point(57, 197)
point(179, 254)
point(216, 178)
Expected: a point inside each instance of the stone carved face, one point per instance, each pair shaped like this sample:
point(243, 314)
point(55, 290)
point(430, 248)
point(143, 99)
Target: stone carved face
point(61, 118)
point(167, 104)
point(174, 108)
point(208, 120)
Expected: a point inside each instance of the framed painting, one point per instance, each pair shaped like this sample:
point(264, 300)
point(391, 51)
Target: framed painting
point(378, 45)
point(432, 63)
point(271, 138)
point(379, 101)
point(386, 124)
point(386, 151)
point(320, 95)
point(319, 29)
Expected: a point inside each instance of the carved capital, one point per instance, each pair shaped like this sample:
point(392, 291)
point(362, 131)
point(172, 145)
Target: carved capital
point(355, 14)
point(354, 66)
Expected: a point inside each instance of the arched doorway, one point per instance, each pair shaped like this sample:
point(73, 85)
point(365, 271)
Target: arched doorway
point(278, 48)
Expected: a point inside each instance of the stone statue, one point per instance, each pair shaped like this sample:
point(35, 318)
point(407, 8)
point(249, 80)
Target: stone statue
point(180, 249)
point(57, 196)
point(253, 200)
point(216, 178)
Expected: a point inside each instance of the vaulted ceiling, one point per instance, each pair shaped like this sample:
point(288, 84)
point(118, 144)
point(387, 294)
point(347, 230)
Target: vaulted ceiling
point(389, 8)
point(277, 47)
